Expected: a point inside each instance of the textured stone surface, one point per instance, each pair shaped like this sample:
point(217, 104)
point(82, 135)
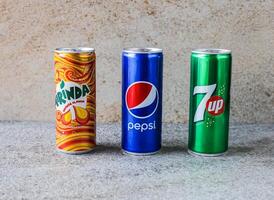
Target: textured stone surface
point(30, 30)
point(30, 168)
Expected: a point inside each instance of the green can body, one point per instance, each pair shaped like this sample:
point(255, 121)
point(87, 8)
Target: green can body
point(209, 101)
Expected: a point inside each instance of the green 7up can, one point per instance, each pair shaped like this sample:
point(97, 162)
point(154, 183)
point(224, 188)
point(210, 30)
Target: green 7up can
point(209, 101)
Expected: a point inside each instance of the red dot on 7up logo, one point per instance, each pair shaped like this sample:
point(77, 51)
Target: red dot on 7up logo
point(213, 104)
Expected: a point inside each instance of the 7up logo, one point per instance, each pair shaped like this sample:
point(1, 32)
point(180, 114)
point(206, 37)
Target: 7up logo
point(213, 104)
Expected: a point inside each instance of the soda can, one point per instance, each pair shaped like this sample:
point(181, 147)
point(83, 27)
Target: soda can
point(142, 77)
point(75, 99)
point(209, 101)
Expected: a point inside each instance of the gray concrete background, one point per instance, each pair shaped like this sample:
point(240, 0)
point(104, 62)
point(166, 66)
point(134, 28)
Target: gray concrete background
point(31, 168)
point(30, 30)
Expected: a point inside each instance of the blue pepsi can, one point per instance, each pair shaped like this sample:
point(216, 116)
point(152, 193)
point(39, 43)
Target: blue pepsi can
point(142, 83)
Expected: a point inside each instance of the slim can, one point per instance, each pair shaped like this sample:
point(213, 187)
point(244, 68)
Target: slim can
point(209, 101)
point(75, 99)
point(142, 77)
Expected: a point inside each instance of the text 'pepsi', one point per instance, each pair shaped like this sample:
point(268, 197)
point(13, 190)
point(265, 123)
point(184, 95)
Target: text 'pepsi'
point(142, 76)
point(142, 127)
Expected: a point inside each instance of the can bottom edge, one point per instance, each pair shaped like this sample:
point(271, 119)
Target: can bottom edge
point(206, 154)
point(75, 152)
point(139, 154)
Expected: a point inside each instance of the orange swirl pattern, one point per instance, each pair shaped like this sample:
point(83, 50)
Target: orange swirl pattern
point(76, 135)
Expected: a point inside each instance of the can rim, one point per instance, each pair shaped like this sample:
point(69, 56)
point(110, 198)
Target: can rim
point(74, 50)
point(214, 51)
point(144, 50)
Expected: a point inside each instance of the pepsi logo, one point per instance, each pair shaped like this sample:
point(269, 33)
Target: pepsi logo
point(142, 99)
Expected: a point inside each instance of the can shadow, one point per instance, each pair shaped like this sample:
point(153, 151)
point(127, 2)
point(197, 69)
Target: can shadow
point(262, 147)
point(239, 150)
point(114, 149)
point(173, 149)
point(107, 148)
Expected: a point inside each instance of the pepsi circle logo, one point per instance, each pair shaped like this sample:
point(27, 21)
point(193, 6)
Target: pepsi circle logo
point(142, 99)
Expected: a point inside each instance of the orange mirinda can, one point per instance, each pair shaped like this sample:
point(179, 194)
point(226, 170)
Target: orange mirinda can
point(75, 99)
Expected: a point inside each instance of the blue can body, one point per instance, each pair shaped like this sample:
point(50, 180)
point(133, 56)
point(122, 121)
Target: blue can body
point(142, 77)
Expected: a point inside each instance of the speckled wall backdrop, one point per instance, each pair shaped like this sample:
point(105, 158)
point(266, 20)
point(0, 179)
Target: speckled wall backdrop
point(31, 29)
